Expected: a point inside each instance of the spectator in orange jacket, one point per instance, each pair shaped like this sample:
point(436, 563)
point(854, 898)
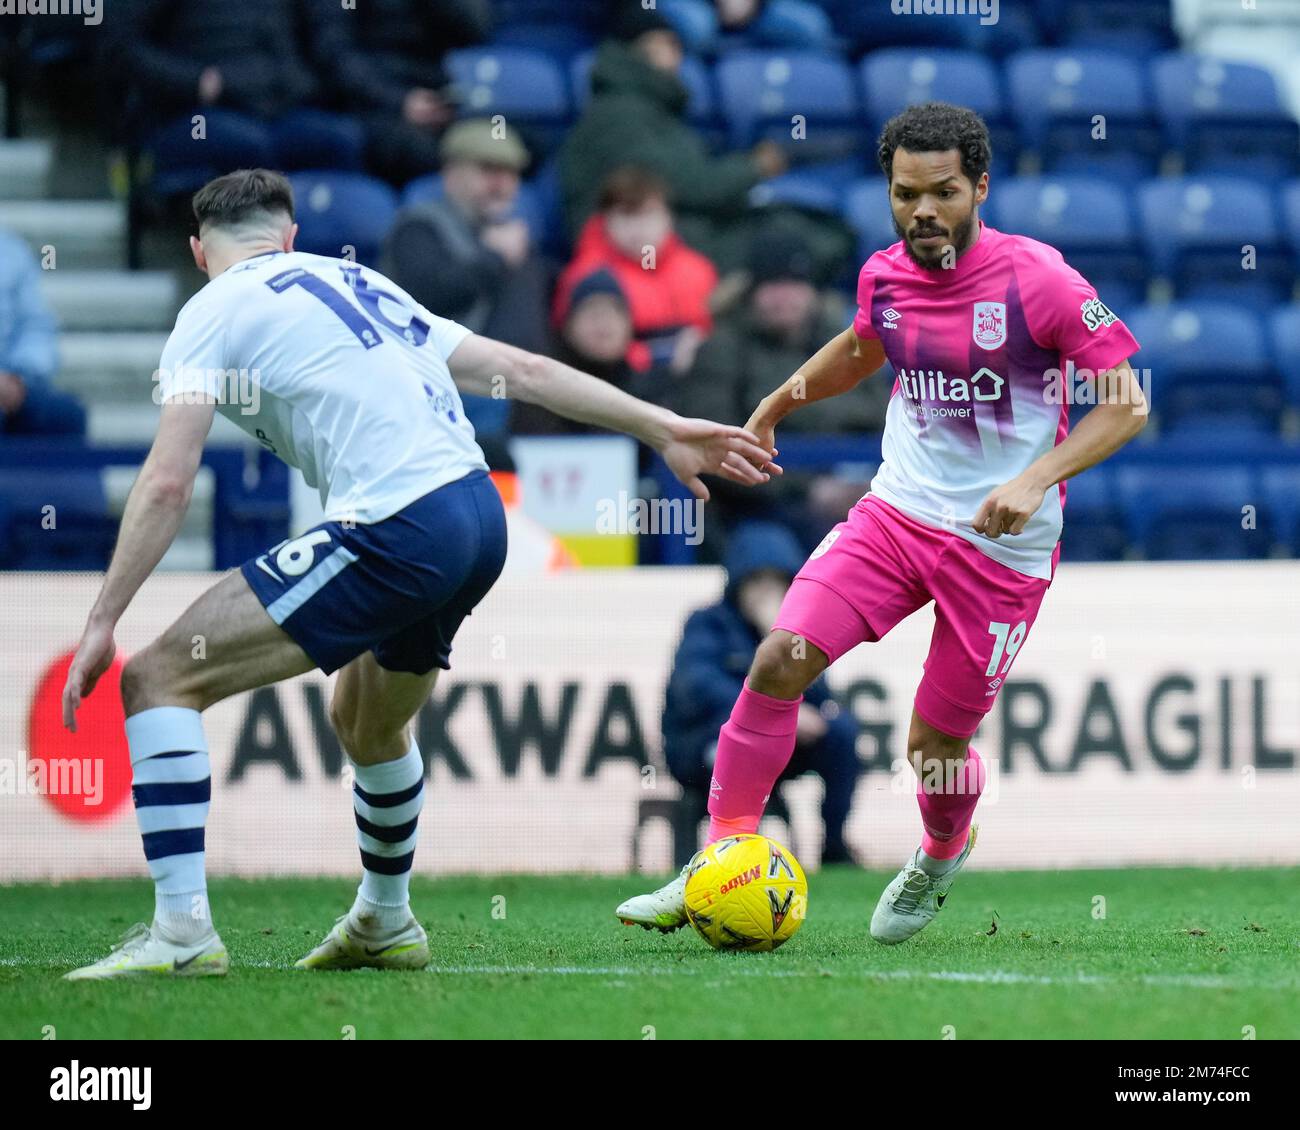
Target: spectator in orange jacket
point(668, 284)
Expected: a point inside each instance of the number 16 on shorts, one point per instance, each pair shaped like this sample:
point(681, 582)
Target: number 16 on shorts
point(1006, 642)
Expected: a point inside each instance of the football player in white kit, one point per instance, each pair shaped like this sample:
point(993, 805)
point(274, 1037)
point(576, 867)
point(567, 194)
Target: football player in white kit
point(342, 374)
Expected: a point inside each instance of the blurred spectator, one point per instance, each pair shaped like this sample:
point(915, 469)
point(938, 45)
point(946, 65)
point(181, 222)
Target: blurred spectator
point(385, 59)
point(717, 647)
point(29, 352)
point(667, 283)
point(783, 321)
point(596, 337)
point(790, 24)
point(466, 256)
point(247, 68)
point(637, 115)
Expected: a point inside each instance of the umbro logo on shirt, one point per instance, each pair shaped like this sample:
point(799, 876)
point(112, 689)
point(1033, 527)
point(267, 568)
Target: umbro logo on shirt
point(891, 317)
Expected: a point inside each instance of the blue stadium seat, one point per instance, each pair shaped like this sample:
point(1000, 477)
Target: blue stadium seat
point(696, 23)
point(1089, 221)
point(1093, 528)
point(761, 91)
point(589, 14)
point(1055, 94)
point(1219, 113)
point(340, 210)
point(1195, 228)
point(1116, 166)
point(83, 530)
point(869, 26)
point(866, 208)
point(1284, 332)
point(562, 42)
point(1192, 512)
point(895, 78)
point(1209, 358)
point(1136, 26)
point(1280, 492)
point(1290, 216)
point(529, 87)
point(802, 188)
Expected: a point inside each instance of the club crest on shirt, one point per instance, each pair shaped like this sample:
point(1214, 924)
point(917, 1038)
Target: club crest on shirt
point(990, 328)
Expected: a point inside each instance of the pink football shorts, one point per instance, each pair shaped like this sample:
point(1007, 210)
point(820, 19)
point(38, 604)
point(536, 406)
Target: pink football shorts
point(878, 567)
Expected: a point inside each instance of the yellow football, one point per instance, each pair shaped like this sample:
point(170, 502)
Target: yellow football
point(746, 893)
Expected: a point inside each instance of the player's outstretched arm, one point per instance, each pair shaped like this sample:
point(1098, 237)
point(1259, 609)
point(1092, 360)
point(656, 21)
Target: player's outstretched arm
point(153, 514)
point(691, 448)
point(1120, 413)
point(836, 368)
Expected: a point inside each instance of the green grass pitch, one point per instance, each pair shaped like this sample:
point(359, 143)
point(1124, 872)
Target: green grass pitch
point(1178, 953)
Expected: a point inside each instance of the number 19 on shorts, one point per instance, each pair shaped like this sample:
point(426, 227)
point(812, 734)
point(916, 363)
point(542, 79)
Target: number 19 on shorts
point(1006, 642)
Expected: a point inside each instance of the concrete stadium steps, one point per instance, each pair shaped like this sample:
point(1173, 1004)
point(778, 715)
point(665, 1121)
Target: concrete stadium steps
point(99, 366)
point(25, 168)
point(112, 300)
point(192, 548)
point(83, 233)
point(134, 421)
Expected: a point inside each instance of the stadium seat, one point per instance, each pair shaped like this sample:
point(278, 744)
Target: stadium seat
point(895, 78)
point(870, 26)
point(1280, 503)
point(1220, 113)
point(803, 188)
point(1209, 358)
point(866, 207)
point(1088, 220)
point(83, 531)
point(341, 210)
point(528, 87)
point(1139, 27)
point(1195, 228)
point(1093, 528)
point(696, 23)
point(562, 42)
point(1284, 334)
point(1192, 512)
point(762, 91)
point(1056, 94)
point(1290, 217)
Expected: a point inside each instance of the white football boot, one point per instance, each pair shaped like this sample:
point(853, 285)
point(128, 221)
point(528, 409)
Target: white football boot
point(143, 952)
point(663, 910)
point(911, 901)
point(349, 946)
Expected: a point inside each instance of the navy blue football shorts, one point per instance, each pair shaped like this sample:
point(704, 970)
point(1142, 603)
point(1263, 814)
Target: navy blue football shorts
point(399, 588)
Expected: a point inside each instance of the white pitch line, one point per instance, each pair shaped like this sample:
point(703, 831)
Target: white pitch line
point(1154, 980)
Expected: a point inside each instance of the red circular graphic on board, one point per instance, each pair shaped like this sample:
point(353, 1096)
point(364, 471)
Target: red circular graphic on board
point(99, 745)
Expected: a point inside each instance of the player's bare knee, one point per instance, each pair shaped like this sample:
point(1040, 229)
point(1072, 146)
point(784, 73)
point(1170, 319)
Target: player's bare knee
point(373, 744)
point(145, 682)
point(785, 665)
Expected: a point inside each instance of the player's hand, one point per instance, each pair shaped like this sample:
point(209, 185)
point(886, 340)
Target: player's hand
point(1008, 507)
point(765, 433)
point(94, 654)
point(697, 447)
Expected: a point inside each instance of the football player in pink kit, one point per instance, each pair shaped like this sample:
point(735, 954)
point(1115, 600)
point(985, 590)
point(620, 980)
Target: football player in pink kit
point(965, 510)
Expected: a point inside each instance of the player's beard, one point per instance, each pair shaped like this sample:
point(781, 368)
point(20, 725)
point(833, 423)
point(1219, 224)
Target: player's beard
point(960, 239)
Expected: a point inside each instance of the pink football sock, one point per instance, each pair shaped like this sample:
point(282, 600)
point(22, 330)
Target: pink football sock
point(946, 814)
point(754, 747)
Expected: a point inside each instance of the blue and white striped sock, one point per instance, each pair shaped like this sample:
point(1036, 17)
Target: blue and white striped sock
point(387, 799)
point(171, 787)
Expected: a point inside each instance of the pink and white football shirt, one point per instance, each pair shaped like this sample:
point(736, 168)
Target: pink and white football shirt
point(980, 353)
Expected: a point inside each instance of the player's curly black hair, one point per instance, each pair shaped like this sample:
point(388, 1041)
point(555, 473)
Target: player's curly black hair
point(934, 127)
